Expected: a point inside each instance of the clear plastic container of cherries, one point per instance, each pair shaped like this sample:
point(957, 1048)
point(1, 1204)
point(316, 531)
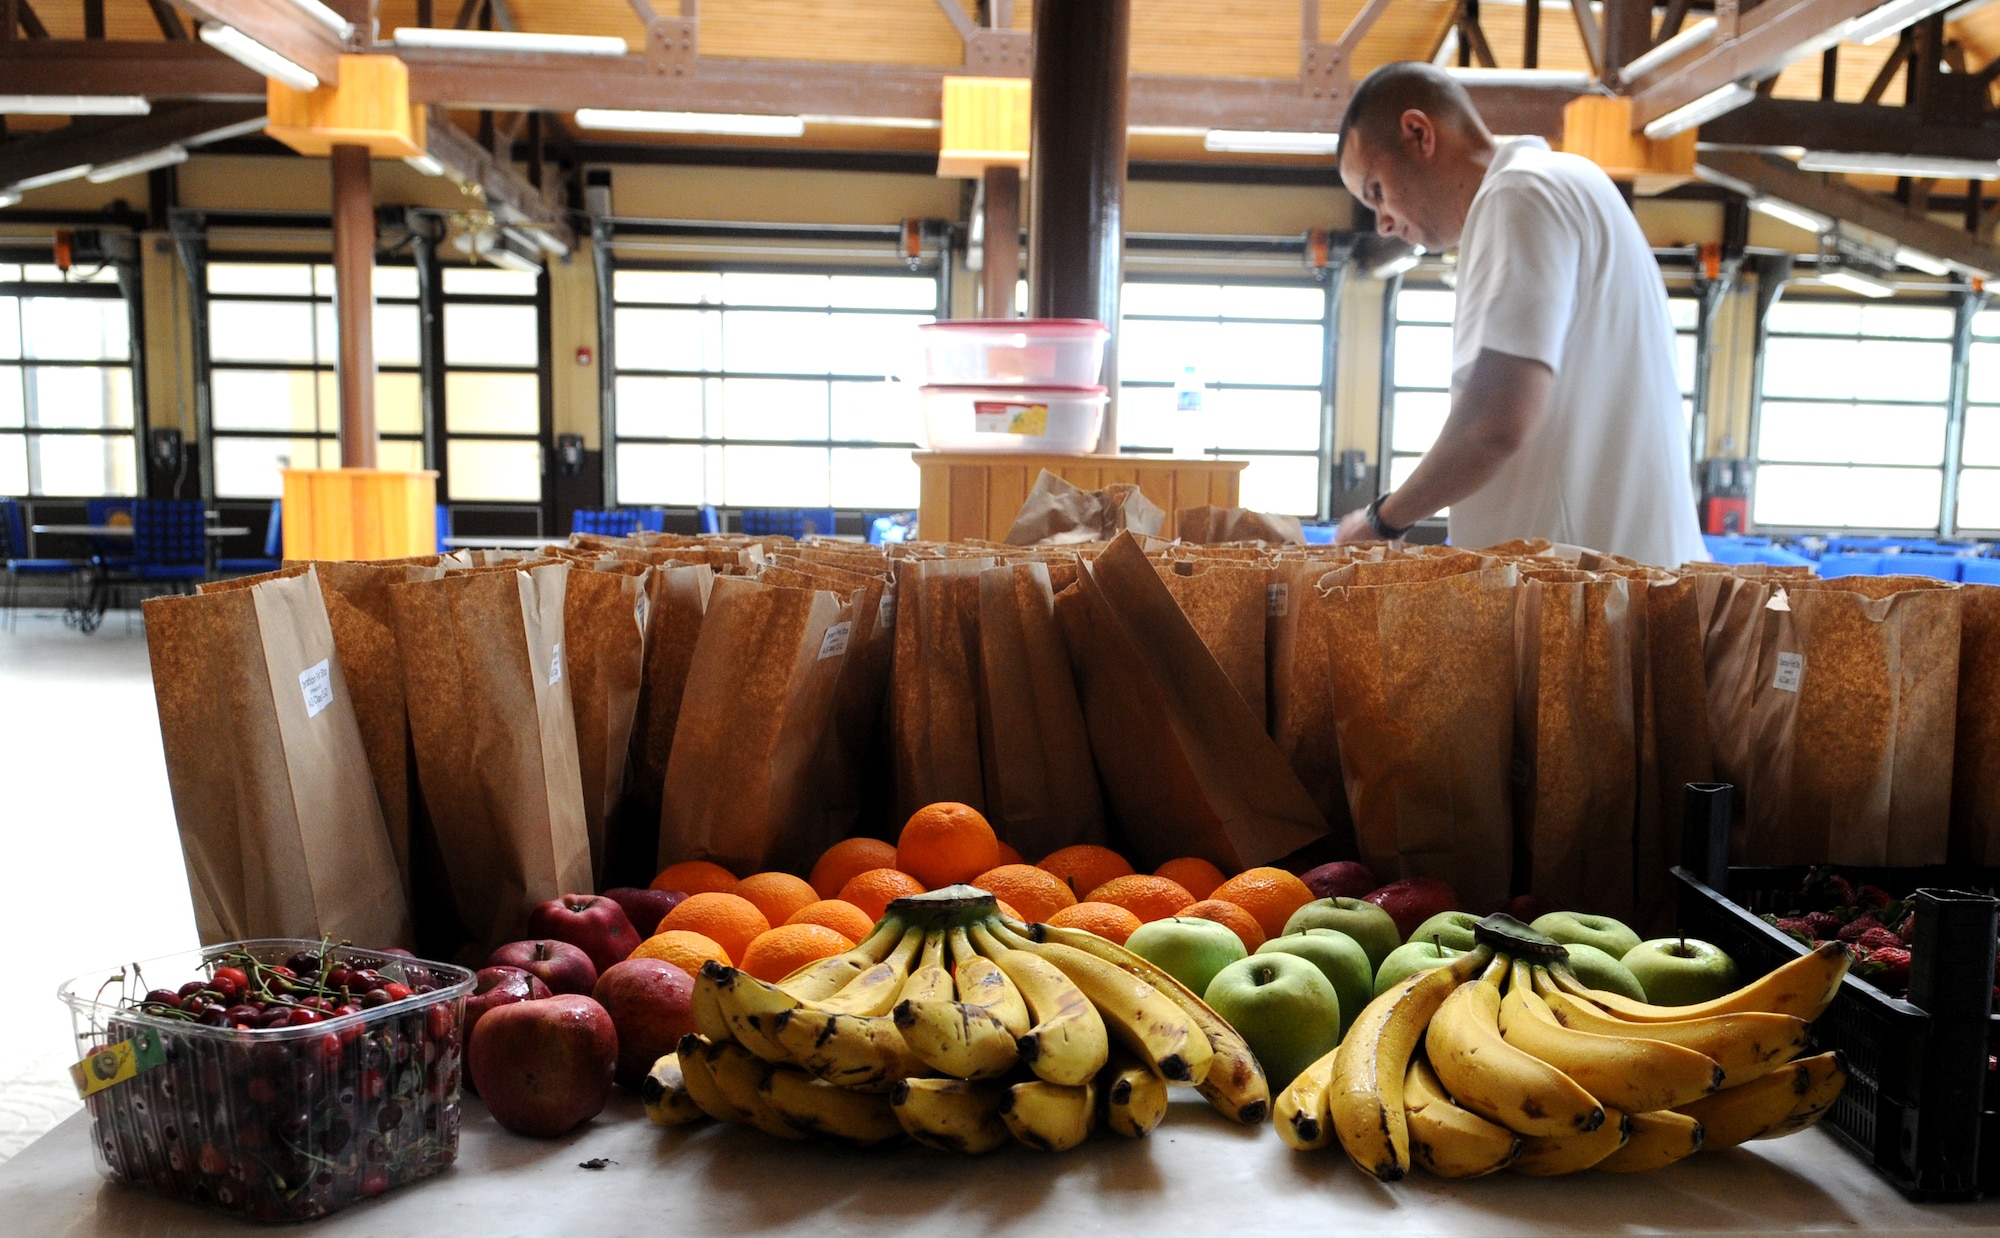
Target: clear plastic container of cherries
point(280, 1078)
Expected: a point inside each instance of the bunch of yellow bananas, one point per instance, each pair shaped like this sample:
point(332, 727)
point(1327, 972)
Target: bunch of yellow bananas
point(958, 1028)
point(1502, 1059)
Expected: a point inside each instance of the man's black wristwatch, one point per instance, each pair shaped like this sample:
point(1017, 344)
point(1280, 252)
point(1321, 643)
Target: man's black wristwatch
point(1383, 529)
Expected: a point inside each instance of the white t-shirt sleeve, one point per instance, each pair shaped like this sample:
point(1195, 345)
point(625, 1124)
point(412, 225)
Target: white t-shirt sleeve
point(1518, 293)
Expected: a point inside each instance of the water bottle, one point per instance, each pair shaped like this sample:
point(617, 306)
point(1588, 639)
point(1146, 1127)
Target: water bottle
point(1190, 426)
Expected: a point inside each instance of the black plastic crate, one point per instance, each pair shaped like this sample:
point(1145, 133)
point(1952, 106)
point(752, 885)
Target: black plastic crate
point(1916, 1106)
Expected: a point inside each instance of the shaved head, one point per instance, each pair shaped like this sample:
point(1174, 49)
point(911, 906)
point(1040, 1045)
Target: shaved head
point(1379, 102)
point(1414, 150)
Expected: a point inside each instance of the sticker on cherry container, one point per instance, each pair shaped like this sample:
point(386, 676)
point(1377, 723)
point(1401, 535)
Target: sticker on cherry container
point(1008, 417)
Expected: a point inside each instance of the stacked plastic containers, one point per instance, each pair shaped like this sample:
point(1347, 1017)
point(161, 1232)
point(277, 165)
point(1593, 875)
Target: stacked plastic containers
point(1013, 384)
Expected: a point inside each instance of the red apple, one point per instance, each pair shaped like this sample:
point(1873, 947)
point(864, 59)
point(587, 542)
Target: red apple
point(1340, 879)
point(1528, 908)
point(494, 987)
point(561, 966)
point(598, 926)
point(1414, 900)
point(543, 1067)
point(645, 908)
point(651, 1002)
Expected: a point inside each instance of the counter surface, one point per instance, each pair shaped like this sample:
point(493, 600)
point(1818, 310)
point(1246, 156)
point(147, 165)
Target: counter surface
point(1197, 1174)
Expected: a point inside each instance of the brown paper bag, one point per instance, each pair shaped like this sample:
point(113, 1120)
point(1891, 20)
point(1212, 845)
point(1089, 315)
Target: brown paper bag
point(1975, 798)
point(1423, 700)
point(1575, 769)
point(1853, 714)
point(280, 826)
point(1205, 524)
point(934, 691)
point(1186, 766)
point(1061, 513)
point(1041, 786)
point(741, 787)
point(1228, 605)
point(495, 741)
point(604, 643)
point(677, 597)
point(1299, 637)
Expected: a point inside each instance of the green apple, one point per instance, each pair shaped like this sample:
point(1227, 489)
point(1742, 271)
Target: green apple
point(1410, 958)
point(1189, 949)
point(1364, 922)
point(1339, 958)
point(1284, 1007)
point(1450, 928)
point(1680, 971)
point(1600, 971)
point(1574, 928)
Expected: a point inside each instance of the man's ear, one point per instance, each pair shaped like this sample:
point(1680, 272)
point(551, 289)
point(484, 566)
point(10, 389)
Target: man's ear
point(1418, 132)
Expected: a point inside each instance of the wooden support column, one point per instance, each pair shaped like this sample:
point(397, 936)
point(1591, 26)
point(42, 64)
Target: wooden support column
point(354, 301)
point(1076, 170)
point(1003, 238)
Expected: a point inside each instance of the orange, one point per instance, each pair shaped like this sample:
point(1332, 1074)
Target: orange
point(1006, 908)
point(875, 889)
point(730, 921)
point(1038, 893)
point(944, 844)
point(1007, 855)
point(685, 950)
point(693, 877)
point(843, 918)
point(846, 860)
point(1242, 922)
point(777, 953)
point(1149, 898)
point(1107, 920)
point(1085, 867)
point(1269, 894)
point(777, 895)
point(1197, 876)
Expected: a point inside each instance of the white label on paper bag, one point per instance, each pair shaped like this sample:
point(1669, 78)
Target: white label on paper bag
point(316, 681)
point(1277, 600)
point(555, 664)
point(1791, 669)
point(1006, 417)
point(885, 611)
point(834, 643)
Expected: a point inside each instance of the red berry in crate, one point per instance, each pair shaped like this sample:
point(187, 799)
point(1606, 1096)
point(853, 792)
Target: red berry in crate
point(597, 926)
point(1825, 925)
point(164, 997)
point(1887, 969)
point(1872, 896)
point(1858, 926)
point(1878, 939)
point(1798, 927)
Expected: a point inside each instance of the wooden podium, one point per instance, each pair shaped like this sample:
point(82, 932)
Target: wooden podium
point(978, 494)
point(360, 513)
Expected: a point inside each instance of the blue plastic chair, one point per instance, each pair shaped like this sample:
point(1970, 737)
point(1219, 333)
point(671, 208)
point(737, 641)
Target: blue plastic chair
point(788, 521)
point(274, 540)
point(1850, 563)
point(13, 551)
point(711, 520)
point(606, 522)
point(443, 527)
point(169, 541)
point(1943, 567)
point(113, 554)
point(1979, 571)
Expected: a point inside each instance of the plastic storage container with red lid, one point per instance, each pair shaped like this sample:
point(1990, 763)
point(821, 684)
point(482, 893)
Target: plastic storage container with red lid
point(1057, 420)
point(1014, 352)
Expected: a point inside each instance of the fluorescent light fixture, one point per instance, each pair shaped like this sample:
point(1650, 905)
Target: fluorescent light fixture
point(509, 41)
point(503, 249)
point(1892, 17)
point(51, 178)
point(734, 124)
point(74, 105)
point(1718, 102)
point(551, 244)
point(1937, 166)
point(9, 199)
point(1861, 283)
point(165, 157)
point(426, 163)
point(342, 28)
point(1670, 49)
point(1546, 79)
point(256, 57)
point(1785, 212)
point(1918, 260)
point(501, 256)
point(1270, 142)
point(241, 128)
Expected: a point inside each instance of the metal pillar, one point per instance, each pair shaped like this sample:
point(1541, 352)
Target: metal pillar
point(1076, 170)
point(1968, 306)
point(354, 302)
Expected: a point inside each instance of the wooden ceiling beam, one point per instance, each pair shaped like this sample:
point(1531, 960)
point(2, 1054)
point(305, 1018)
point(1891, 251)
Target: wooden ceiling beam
point(284, 28)
point(1752, 173)
point(99, 140)
point(508, 194)
point(1766, 39)
point(158, 70)
point(1859, 128)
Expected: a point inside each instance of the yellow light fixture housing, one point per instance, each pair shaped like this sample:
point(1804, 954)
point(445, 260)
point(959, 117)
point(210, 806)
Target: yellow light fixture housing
point(985, 125)
point(1600, 129)
point(369, 107)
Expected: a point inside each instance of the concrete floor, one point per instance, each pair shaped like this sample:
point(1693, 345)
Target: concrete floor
point(93, 874)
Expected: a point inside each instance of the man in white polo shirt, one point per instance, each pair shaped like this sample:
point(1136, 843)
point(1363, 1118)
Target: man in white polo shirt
point(1566, 415)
